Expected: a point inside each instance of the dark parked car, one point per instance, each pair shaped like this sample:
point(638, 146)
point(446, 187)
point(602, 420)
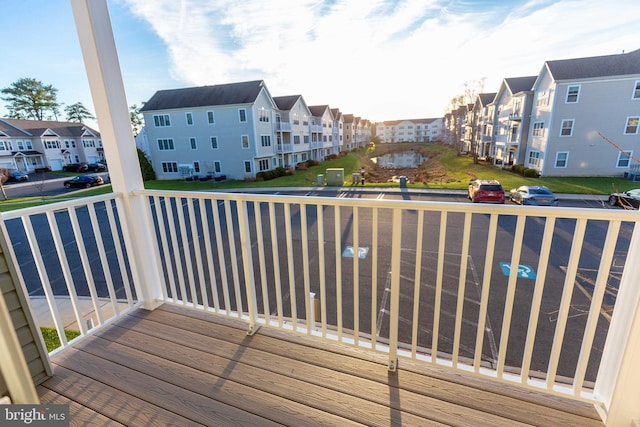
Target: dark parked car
point(76, 167)
point(84, 181)
point(533, 195)
point(628, 199)
point(18, 176)
point(96, 167)
point(486, 191)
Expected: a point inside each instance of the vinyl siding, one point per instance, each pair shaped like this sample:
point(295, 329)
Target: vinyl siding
point(25, 327)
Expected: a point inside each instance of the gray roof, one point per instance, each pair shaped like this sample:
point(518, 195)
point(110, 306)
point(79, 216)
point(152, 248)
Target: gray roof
point(8, 128)
point(39, 127)
point(202, 96)
point(318, 110)
point(286, 102)
point(486, 98)
point(520, 84)
point(596, 66)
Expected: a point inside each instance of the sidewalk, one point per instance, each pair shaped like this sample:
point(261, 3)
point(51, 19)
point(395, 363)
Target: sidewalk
point(43, 316)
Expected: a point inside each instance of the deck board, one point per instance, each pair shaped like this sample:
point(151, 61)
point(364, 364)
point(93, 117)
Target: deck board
point(176, 366)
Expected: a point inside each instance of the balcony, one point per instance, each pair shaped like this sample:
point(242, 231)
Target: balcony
point(283, 126)
point(223, 308)
point(284, 148)
point(232, 263)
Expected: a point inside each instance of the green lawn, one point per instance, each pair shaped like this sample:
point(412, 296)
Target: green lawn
point(51, 339)
point(459, 171)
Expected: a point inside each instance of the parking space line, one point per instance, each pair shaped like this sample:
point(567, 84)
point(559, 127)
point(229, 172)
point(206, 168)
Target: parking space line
point(380, 196)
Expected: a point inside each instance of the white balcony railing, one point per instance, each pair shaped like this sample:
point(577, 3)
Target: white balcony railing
point(409, 279)
point(75, 253)
point(449, 284)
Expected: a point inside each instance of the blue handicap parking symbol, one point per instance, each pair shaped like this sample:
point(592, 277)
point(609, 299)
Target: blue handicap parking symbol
point(524, 271)
point(349, 252)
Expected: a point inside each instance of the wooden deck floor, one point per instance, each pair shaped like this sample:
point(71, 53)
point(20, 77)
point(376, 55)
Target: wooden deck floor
point(175, 366)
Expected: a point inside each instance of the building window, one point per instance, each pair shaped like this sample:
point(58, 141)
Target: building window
point(28, 145)
point(20, 145)
point(573, 92)
point(189, 119)
point(306, 139)
point(566, 128)
point(245, 141)
point(538, 128)
point(265, 140)
point(169, 167)
point(296, 119)
point(296, 139)
point(632, 126)
point(247, 166)
point(217, 167)
point(624, 159)
point(303, 157)
point(3, 147)
point(193, 143)
point(636, 91)
point(210, 117)
point(263, 165)
point(161, 120)
point(165, 144)
point(196, 166)
point(214, 142)
point(242, 114)
point(562, 158)
point(264, 115)
point(534, 158)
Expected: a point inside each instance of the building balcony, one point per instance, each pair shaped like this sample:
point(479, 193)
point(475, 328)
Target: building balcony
point(283, 126)
point(246, 309)
point(284, 148)
point(429, 327)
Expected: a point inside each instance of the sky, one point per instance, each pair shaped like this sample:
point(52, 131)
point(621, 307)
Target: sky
point(379, 60)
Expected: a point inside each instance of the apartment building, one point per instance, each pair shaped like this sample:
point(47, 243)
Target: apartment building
point(512, 107)
point(482, 138)
point(585, 117)
point(409, 130)
point(235, 130)
point(29, 145)
point(576, 117)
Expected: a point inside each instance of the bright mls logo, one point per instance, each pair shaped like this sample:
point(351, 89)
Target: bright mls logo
point(35, 415)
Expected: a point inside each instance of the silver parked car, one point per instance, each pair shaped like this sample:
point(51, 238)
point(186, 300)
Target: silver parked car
point(628, 199)
point(533, 195)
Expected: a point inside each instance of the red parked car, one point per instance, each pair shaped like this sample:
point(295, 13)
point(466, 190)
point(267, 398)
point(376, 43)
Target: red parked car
point(486, 191)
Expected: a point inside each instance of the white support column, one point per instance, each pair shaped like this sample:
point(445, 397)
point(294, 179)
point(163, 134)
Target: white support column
point(107, 89)
point(618, 383)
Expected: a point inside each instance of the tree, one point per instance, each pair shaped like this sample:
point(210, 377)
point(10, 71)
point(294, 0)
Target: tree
point(29, 98)
point(78, 113)
point(148, 174)
point(136, 119)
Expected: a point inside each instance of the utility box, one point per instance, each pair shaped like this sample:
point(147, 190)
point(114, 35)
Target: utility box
point(334, 176)
point(403, 182)
point(320, 179)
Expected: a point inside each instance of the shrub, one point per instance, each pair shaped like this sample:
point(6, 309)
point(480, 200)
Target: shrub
point(272, 174)
point(518, 169)
point(148, 174)
point(530, 173)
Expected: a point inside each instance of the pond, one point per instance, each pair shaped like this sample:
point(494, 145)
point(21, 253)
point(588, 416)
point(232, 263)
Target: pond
point(400, 159)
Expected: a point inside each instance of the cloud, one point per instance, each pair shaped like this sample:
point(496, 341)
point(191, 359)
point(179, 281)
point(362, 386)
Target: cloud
point(380, 59)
